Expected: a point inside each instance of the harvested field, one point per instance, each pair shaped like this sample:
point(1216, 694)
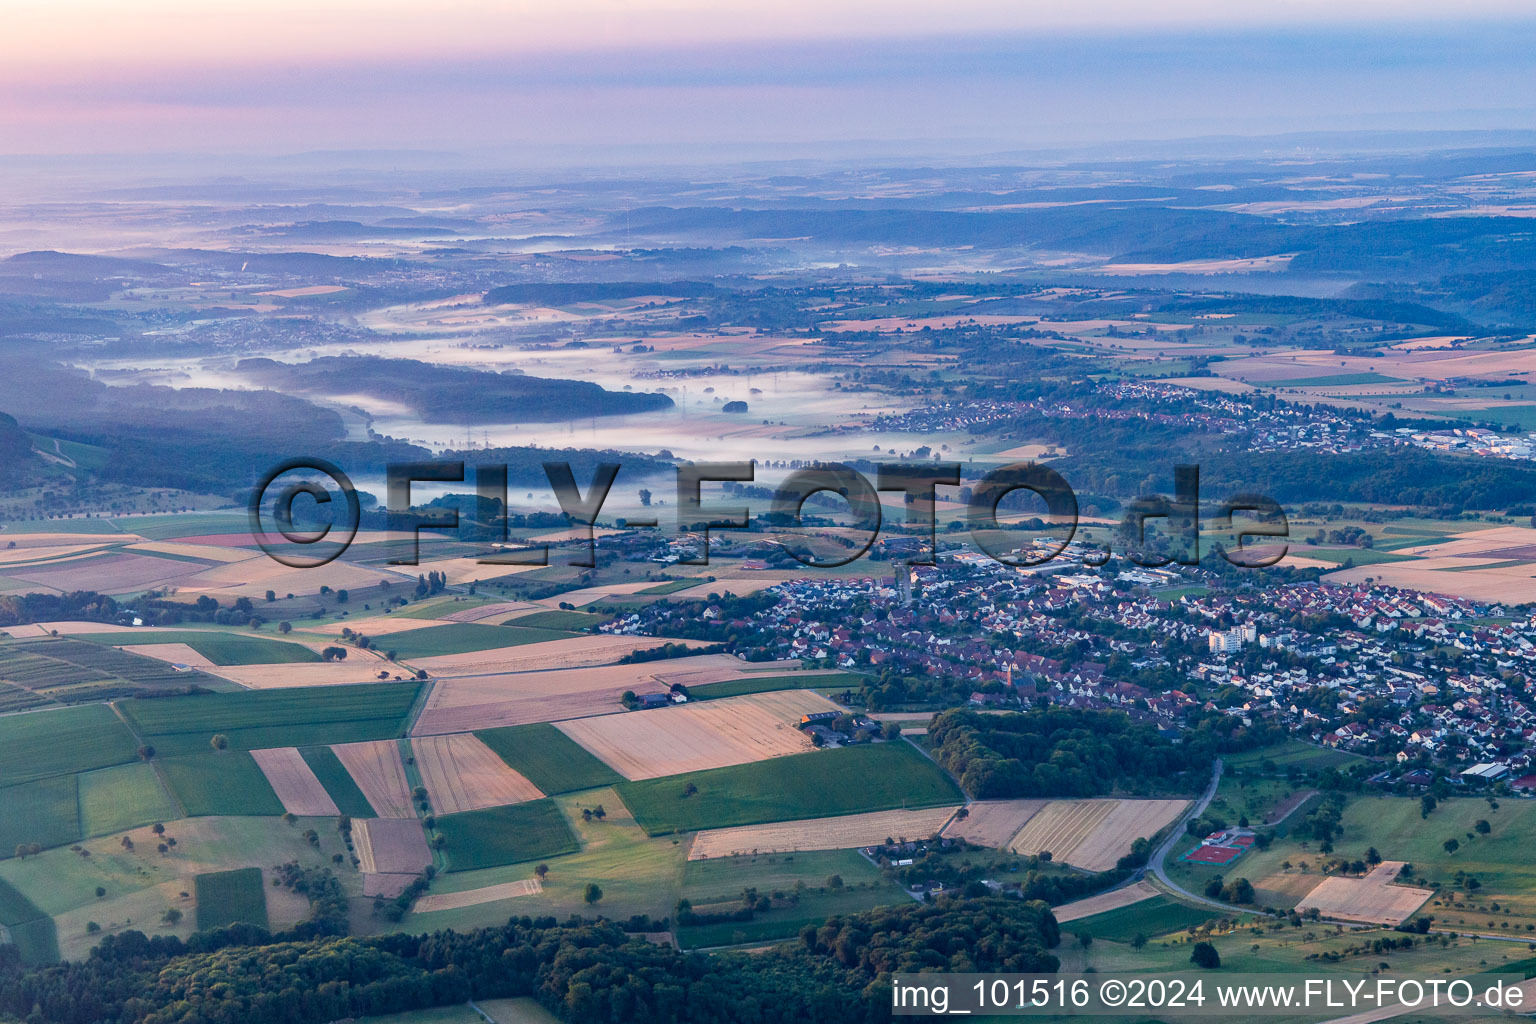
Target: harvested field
point(572, 652)
point(359, 667)
point(475, 897)
point(378, 771)
point(498, 609)
point(1128, 821)
point(1105, 901)
point(294, 783)
point(1373, 899)
point(175, 654)
point(844, 833)
point(463, 774)
point(253, 577)
point(993, 823)
point(1093, 834)
point(470, 570)
point(375, 626)
point(698, 736)
point(208, 552)
point(477, 702)
point(390, 846)
point(111, 574)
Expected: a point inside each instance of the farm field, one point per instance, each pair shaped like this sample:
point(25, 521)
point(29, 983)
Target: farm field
point(1152, 917)
point(73, 671)
point(1104, 902)
point(465, 638)
point(231, 897)
point(45, 812)
point(505, 835)
point(360, 668)
point(379, 772)
point(120, 798)
point(696, 737)
point(823, 783)
point(433, 903)
point(771, 683)
point(333, 775)
point(463, 774)
point(1093, 834)
point(563, 620)
point(1374, 899)
point(993, 823)
point(522, 698)
point(253, 720)
point(294, 783)
point(221, 782)
point(1292, 753)
point(30, 929)
point(575, 652)
point(548, 758)
point(846, 832)
point(38, 744)
point(219, 648)
point(638, 874)
point(390, 846)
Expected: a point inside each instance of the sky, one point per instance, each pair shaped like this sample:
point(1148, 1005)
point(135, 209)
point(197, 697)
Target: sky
point(105, 76)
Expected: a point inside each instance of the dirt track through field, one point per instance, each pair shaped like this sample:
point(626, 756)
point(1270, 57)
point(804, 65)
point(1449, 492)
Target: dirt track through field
point(691, 737)
point(475, 897)
point(390, 846)
point(994, 822)
point(463, 774)
point(294, 782)
point(846, 832)
point(1373, 899)
point(378, 771)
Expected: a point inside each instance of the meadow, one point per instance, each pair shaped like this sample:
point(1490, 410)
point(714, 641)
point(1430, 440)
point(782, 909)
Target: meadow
point(31, 930)
point(822, 783)
point(1150, 918)
point(122, 797)
point(548, 758)
point(505, 835)
point(231, 897)
point(45, 812)
point(252, 719)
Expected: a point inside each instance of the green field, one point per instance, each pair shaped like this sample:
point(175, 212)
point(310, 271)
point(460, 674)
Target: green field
point(257, 719)
point(505, 835)
point(123, 797)
point(1292, 753)
point(669, 587)
point(1338, 380)
point(463, 638)
point(338, 783)
point(219, 648)
point(231, 897)
point(31, 930)
point(220, 782)
point(548, 758)
point(1151, 918)
point(768, 684)
point(46, 812)
point(823, 783)
point(43, 743)
point(558, 619)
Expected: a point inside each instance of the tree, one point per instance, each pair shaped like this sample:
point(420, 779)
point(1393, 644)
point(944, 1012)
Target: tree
point(834, 881)
point(1482, 826)
point(592, 893)
point(1451, 845)
point(271, 596)
point(334, 654)
point(219, 741)
point(541, 871)
point(172, 917)
point(1372, 857)
point(1138, 940)
point(1084, 939)
point(158, 828)
point(1204, 955)
point(146, 752)
point(285, 626)
point(1426, 805)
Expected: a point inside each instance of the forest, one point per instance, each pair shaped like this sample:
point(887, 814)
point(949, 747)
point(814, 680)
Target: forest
point(591, 972)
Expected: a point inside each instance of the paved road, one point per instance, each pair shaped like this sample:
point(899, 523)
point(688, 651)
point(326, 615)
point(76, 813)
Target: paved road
point(1179, 835)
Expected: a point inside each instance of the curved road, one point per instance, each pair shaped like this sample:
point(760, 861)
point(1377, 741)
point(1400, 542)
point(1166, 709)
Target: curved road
point(1155, 865)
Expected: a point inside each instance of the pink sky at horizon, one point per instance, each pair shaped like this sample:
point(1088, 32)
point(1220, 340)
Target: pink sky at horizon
point(104, 75)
